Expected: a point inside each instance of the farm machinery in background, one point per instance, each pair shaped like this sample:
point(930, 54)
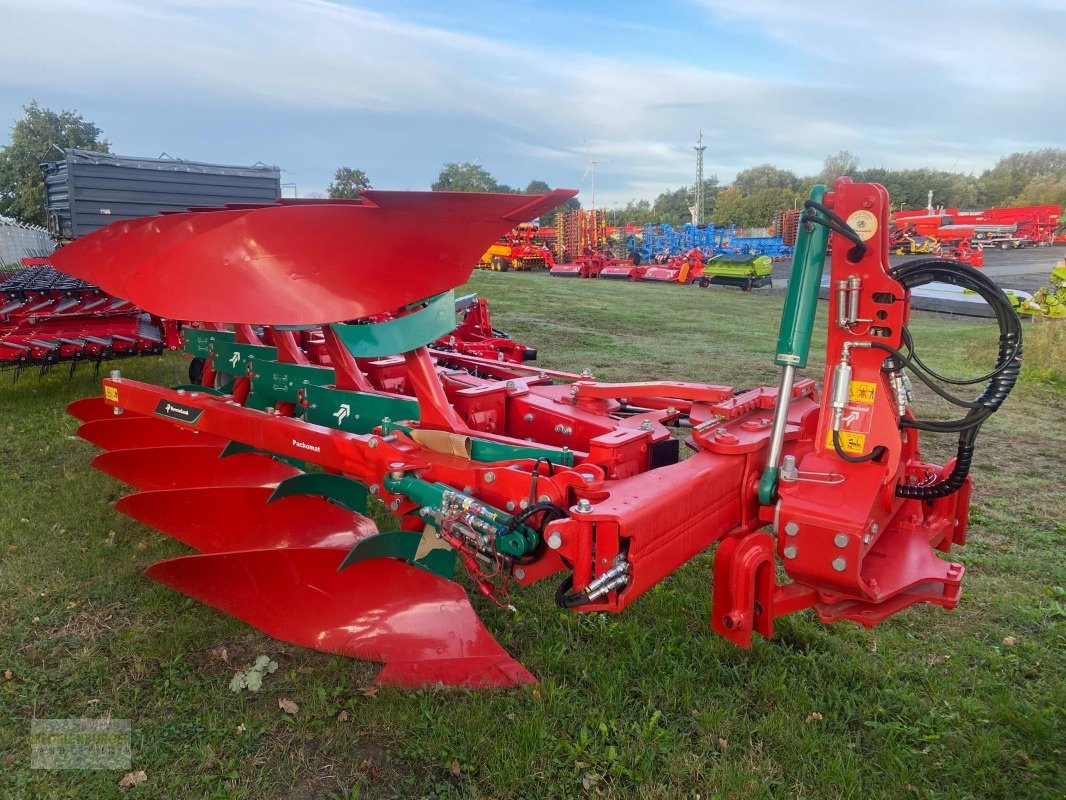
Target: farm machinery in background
point(518, 249)
point(1004, 228)
point(48, 318)
point(511, 474)
point(1048, 301)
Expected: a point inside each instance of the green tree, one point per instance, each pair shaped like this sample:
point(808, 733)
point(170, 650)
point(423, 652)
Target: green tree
point(34, 139)
point(764, 176)
point(728, 207)
point(1004, 183)
point(672, 207)
point(542, 187)
point(348, 183)
point(837, 165)
point(465, 176)
point(760, 208)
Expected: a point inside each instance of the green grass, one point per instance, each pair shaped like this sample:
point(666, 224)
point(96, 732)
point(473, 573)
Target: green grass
point(645, 704)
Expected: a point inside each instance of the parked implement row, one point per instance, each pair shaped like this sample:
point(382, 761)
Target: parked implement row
point(515, 475)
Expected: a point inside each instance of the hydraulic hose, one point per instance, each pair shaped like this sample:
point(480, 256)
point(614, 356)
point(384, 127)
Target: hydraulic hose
point(1000, 380)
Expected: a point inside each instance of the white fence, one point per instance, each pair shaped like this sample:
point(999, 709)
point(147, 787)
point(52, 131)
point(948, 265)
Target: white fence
point(18, 240)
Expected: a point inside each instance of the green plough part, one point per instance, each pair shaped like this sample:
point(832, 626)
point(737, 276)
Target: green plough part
point(239, 447)
point(403, 545)
point(274, 381)
point(488, 451)
point(355, 412)
point(201, 343)
point(345, 492)
point(401, 335)
point(239, 359)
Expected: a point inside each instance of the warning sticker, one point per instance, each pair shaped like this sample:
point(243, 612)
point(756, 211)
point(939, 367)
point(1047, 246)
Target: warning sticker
point(864, 223)
point(111, 393)
point(850, 442)
point(862, 391)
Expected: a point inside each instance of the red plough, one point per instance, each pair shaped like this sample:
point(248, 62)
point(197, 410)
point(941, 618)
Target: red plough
point(517, 474)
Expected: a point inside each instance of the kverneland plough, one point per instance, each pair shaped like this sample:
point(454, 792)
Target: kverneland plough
point(518, 475)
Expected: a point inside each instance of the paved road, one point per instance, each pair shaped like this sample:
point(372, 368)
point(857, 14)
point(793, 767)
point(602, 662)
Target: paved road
point(1025, 269)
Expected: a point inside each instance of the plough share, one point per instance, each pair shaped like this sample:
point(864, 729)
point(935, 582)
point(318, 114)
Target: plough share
point(265, 466)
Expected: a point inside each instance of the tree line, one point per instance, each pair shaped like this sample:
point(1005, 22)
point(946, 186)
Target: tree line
point(751, 200)
point(756, 194)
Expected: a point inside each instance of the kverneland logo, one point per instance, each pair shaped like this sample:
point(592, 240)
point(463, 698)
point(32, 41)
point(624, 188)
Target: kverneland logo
point(178, 411)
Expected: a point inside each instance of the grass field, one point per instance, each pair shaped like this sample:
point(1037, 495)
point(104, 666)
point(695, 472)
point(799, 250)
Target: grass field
point(647, 704)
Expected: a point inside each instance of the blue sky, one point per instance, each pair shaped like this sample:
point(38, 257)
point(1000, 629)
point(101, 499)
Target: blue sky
point(538, 89)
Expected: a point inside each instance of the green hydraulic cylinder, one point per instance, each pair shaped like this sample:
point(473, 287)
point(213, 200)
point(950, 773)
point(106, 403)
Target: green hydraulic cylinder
point(794, 338)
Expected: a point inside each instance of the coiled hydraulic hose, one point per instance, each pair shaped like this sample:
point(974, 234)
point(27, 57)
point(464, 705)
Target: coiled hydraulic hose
point(1000, 380)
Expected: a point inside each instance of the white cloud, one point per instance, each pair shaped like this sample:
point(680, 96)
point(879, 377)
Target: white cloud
point(952, 84)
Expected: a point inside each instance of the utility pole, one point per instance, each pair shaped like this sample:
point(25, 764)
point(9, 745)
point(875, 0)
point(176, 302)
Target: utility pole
point(592, 169)
point(699, 148)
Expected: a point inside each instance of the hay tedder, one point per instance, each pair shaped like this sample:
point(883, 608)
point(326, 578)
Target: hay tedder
point(518, 475)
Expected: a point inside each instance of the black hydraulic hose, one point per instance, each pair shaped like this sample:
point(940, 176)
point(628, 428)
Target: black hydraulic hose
point(834, 222)
point(549, 511)
point(1000, 380)
point(877, 452)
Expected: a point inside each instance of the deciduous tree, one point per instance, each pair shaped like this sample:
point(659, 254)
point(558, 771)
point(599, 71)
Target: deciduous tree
point(34, 139)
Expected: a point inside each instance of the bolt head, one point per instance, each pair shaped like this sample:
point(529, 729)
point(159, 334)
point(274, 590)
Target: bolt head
point(527, 418)
point(520, 573)
point(490, 477)
point(395, 505)
point(841, 540)
point(555, 540)
point(874, 528)
point(372, 443)
point(840, 564)
point(645, 425)
point(374, 488)
point(584, 506)
point(791, 551)
point(792, 528)
point(510, 505)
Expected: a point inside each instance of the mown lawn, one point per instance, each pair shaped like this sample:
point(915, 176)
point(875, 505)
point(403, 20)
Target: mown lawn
point(649, 704)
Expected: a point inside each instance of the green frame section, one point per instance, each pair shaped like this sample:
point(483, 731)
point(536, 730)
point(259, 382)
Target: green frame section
point(278, 382)
point(488, 451)
point(233, 358)
point(355, 412)
point(402, 335)
point(200, 343)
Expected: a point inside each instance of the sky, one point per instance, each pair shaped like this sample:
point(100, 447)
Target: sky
point(538, 90)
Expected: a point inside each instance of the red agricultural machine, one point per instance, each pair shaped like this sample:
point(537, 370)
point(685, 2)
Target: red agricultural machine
point(48, 318)
point(265, 467)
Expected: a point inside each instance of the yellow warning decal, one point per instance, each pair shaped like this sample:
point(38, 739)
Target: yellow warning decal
point(862, 391)
point(111, 393)
point(854, 443)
